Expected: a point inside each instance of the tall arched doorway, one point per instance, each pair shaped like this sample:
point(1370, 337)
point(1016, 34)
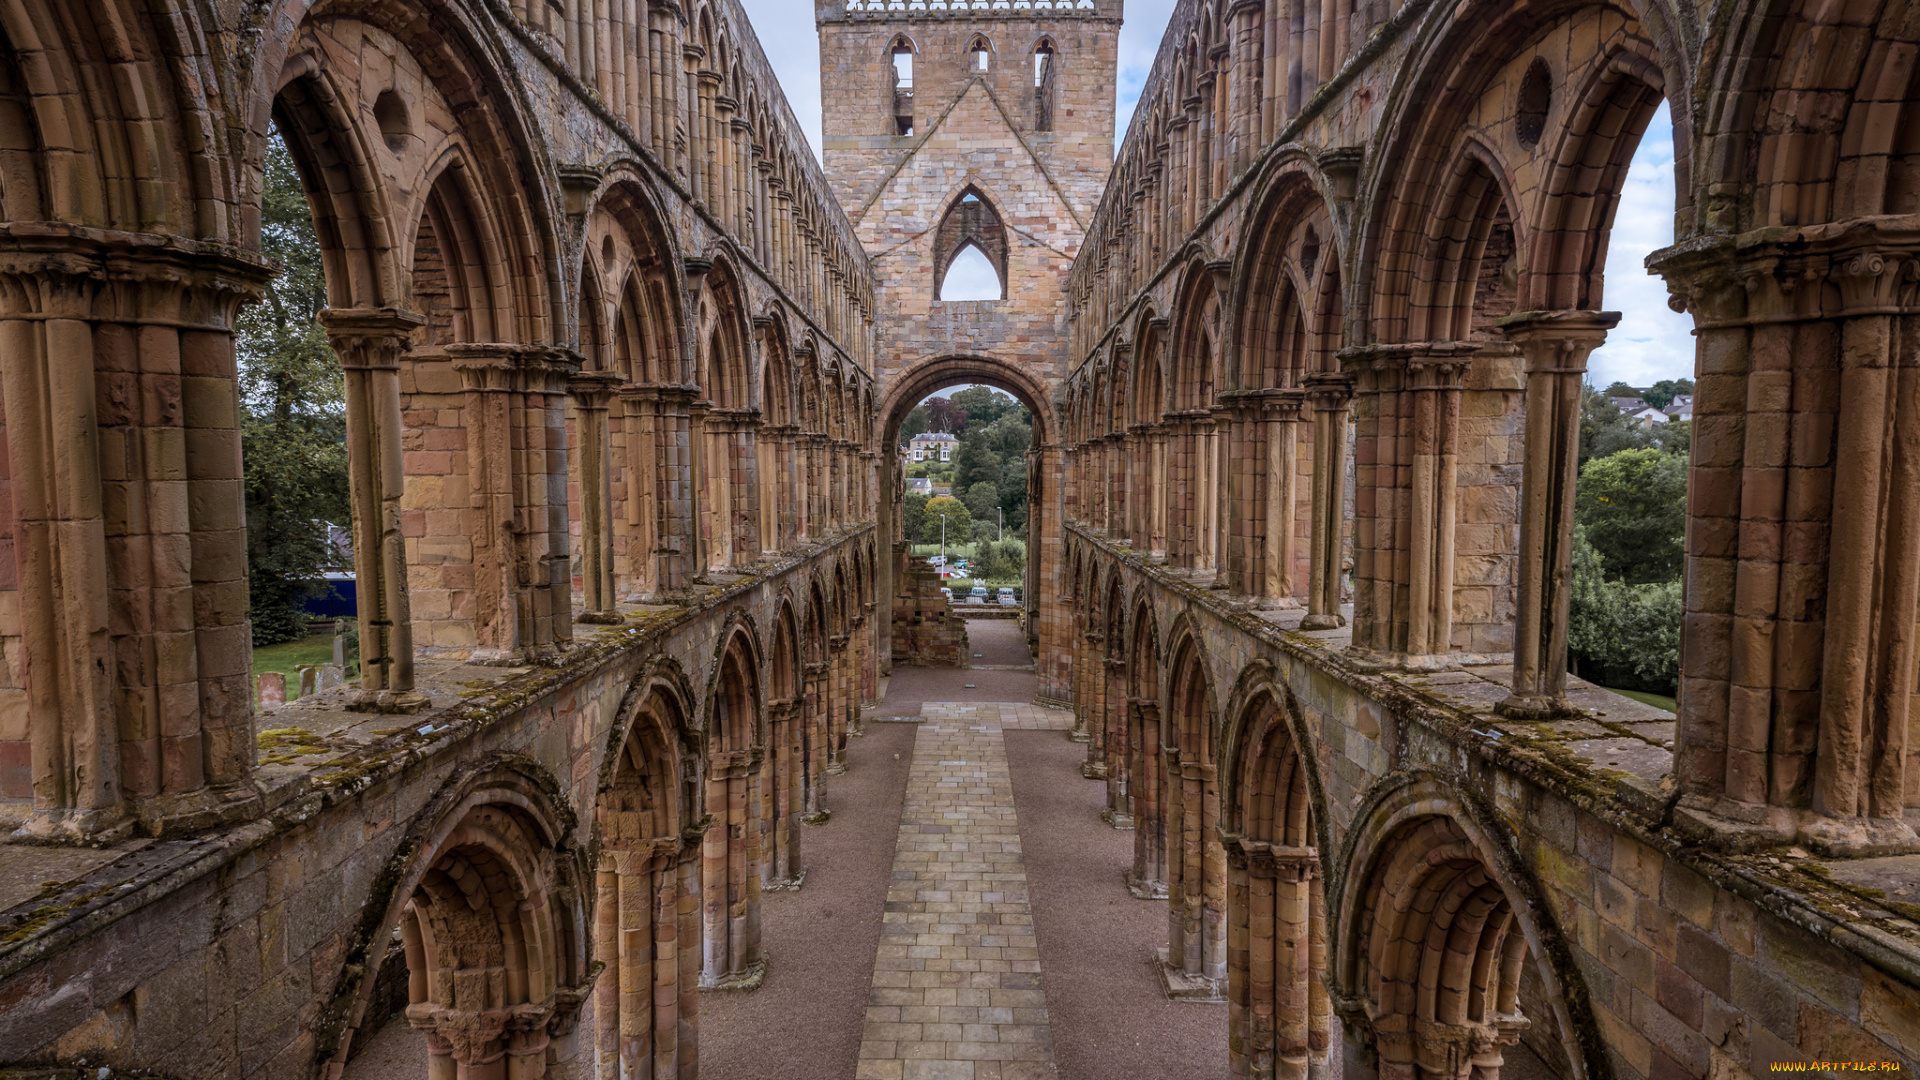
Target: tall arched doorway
point(1048, 625)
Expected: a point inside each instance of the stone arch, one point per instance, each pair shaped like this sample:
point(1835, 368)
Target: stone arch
point(487, 892)
point(1475, 219)
point(1437, 921)
point(731, 851)
point(1273, 287)
point(1801, 104)
point(99, 103)
point(1280, 1015)
point(971, 220)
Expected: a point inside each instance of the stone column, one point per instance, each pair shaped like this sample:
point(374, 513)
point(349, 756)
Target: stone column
point(1556, 345)
point(1119, 461)
point(1090, 673)
point(516, 469)
point(856, 675)
point(815, 741)
point(731, 958)
point(592, 392)
point(46, 340)
point(641, 525)
point(369, 344)
point(1331, 396)
point(637, 932)
point(1435, 377)
point(1148, 878)
point(679, 549)
point(1119, 812)
point(782, 796)
point(836, 711)
point(1276, 507)
point(1277, 1022)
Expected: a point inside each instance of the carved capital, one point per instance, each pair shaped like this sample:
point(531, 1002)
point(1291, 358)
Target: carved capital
point(1558, 341)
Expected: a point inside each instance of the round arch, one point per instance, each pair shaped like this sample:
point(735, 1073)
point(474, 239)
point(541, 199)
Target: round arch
point(1048, 630)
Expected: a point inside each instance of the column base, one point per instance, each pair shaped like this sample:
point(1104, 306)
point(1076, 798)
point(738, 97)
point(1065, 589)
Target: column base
point(600, 618)
point(198, 811)
point(1179, 985)
point(836, 768)
point(1117, 819)
point(740, 982)
point(1093, 770)
point(1080, 735)
point(1741, 828)
point(392, 702)
point(818, 817)
point(1536, 707)
point(787, 884)
point(64, 826)
point(1322, 622)
point(1145, 889)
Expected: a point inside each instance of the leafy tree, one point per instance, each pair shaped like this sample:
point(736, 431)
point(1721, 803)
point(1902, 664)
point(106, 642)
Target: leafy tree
point(984, 531)
point(1633, 505)
point(1620, 389)
point(983, 405)
point(1605, 430)
point(1622, 635)
point(982, 501)
point(293, 423)
point(916, 423)
point(913, 515)
point(1660, 394)
point(959, 523)
point(1001, 561)
point(944, 415)
point(974, 461)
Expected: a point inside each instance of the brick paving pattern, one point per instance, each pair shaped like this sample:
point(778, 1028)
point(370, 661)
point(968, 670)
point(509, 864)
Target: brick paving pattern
point(956, 984)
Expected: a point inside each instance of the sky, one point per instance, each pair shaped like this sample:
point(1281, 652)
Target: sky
point(1651, 343)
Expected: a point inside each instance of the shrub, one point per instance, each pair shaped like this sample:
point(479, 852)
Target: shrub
point(1622, 635)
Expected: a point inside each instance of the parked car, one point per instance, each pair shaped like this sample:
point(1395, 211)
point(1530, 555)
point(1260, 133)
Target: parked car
point(936, 560)
point(1007, 599)
point(946, 592)
point(978, 595)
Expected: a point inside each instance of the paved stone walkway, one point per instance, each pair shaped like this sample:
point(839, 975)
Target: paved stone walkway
point(956, 985)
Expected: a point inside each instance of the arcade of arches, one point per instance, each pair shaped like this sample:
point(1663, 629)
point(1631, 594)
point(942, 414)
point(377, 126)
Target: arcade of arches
point(624, 371)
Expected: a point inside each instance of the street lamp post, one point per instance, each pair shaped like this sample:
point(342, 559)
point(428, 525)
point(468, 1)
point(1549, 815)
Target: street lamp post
point(1003, 522)
point(943, 539)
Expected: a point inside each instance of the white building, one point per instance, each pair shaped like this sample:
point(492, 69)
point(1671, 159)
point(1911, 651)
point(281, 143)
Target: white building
point(932, 446)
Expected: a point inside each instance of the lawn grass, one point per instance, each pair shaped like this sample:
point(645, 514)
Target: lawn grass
point(287, 657)
point(1658, 701)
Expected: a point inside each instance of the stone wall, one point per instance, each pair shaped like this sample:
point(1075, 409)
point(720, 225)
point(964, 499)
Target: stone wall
point(926, 631)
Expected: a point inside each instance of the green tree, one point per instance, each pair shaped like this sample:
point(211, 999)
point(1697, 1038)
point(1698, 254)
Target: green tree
point(1605, 430)
point(293, 423)
point(983, 405)
point(982, 501)
point(1633, 505)
point(959, 523)
point(1661, 394)
point(1620, 389)
point(1621, 635)
point(913, 515)
point(974, 460)
point(916, 423)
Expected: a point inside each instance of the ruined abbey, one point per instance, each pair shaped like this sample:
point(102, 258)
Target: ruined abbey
point(625, 368)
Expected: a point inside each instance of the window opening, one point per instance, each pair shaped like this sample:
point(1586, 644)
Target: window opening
point(981, 56)
point(902, 87)
point(971, 276)
point(1043, 80)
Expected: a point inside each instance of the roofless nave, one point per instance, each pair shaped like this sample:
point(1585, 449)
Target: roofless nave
point(624, 368)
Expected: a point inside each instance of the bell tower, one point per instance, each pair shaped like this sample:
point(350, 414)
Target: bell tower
point(892, 70)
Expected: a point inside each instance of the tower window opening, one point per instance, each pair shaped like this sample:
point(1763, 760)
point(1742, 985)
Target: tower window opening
point(981, 56)
point(1044, 70)
point(902, 86)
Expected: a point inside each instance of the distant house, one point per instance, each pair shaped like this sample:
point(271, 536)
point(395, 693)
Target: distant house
point(1649, 415)
point(1628, 404)
point(1681, 409)
point(920, 484)
point(932, 446)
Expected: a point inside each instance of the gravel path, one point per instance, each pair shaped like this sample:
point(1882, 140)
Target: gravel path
point(1109, 1016)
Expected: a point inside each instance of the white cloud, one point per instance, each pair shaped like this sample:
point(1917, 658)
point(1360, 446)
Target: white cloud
point(1139, 42)
point(1652, 342)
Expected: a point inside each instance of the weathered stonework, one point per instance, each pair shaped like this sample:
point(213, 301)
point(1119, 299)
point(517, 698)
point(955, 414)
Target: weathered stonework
point(623, 368)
